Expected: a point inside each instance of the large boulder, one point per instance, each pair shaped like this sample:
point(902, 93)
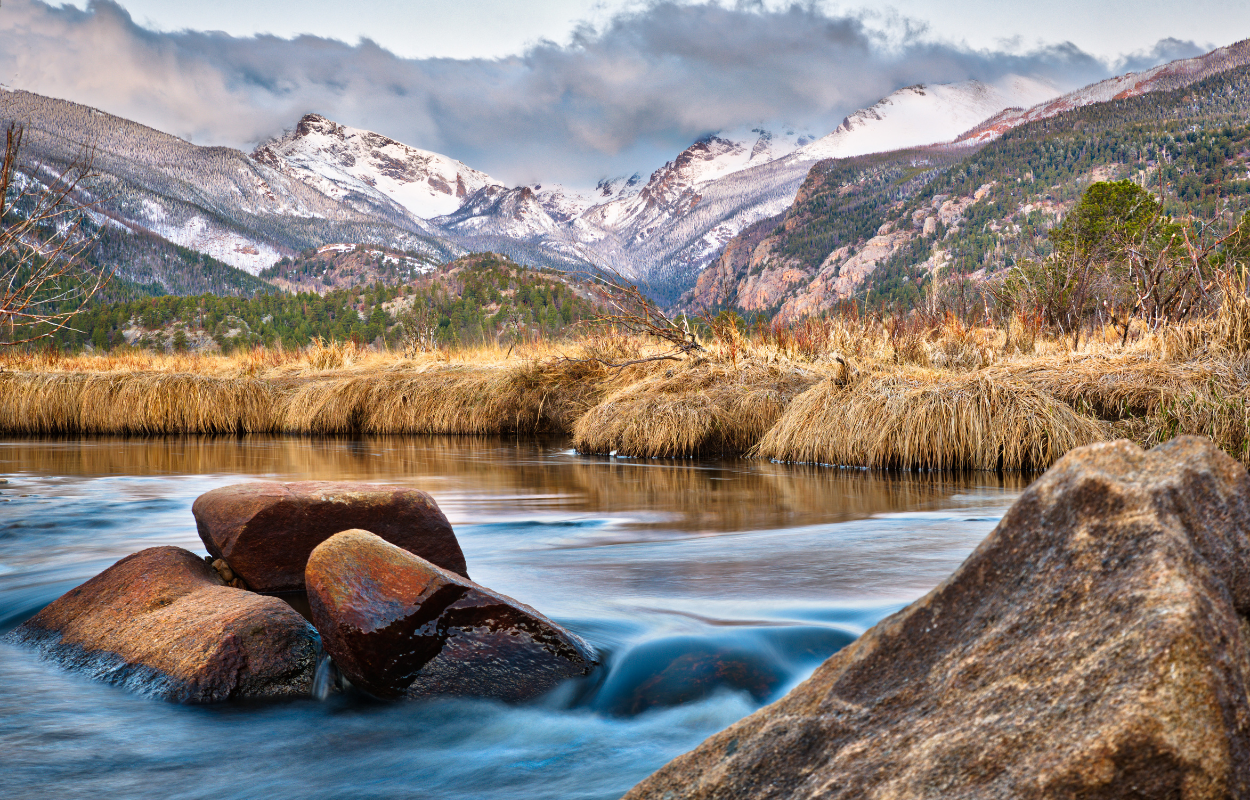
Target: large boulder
point(1095, 645)
point(265, 531)
point(398, 625)
point(161, 623)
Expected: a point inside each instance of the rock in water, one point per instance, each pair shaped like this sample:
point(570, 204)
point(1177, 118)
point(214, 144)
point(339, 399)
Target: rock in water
point(159, 622)
point(265, 531)
point(397, 625)
point(1095, 645)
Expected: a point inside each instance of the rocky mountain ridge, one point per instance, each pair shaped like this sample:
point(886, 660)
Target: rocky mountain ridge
point(323, 183)
point(911, 212)
point(1173, 75)
point(345, 163)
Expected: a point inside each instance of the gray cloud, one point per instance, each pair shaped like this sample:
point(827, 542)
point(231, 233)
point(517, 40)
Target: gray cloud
point(612, 99)
point(1165, 50)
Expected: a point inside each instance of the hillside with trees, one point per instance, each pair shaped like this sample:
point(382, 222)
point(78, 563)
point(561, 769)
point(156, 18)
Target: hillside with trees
point(474, 300)
point(878, 229)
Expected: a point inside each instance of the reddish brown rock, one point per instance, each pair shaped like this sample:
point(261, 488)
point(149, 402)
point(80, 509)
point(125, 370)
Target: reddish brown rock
point(397, 625)
point(265, 531)
point(161, 623)
point(1095, 645)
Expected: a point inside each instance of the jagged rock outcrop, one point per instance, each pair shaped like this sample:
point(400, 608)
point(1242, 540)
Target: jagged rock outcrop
point(160, 622)
point(397, 625)
point(1095, 645)
point(265, 531)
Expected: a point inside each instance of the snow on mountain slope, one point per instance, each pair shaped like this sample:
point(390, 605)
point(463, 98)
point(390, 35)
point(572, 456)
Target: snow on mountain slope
point(677, 187)
point(215, 200)
point(925, 114)
point(500, 211)
point(1172, 75)
point(342, 161)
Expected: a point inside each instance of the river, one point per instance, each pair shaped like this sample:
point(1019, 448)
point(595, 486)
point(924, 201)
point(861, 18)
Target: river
point(770, 567)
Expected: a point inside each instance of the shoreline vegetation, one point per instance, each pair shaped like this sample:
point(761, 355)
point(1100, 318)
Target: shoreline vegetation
point(1128, 324)
point(850, 389)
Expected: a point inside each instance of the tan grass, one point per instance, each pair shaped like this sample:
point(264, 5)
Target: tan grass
point(934, 394)
point(453, 400)
point(925, 419)
point(695, 408)
point(1119, 386)
point(133, 403)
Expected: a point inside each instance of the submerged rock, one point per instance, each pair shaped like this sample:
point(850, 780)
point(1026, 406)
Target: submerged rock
point(683, 669)
point(1094, 645)
point(265, 531)
point(160, 623)
point(398, 625)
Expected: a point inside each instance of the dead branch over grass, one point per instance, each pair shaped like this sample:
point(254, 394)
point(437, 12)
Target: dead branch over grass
point(926, 419)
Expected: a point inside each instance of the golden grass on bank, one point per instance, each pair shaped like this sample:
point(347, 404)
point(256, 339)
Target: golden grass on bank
point(142, 404)
point(449, 400)
point(691, 408)
point(921, 394)
point(931, 420)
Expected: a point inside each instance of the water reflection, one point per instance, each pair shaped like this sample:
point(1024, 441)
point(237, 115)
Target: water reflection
point(489, 476)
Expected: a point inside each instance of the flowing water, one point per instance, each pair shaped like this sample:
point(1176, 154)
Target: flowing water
point(710, 587)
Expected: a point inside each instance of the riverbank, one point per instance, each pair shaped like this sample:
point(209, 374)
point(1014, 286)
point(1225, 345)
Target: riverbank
point(843, 391)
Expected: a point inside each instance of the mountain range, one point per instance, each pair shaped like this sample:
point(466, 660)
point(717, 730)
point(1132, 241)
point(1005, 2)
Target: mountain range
point(875, 228)
point(323, 183)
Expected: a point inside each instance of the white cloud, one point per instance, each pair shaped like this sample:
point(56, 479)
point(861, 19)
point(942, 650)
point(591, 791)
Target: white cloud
point(647, 82)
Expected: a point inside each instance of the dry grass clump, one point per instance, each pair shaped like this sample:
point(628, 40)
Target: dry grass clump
point(699, 407)
point(41, 403)
point(142, 404)
point(322, 355)
point(452, 400)
point(159, 403)
point(1114, 387)
point(923, 419)
point(1232, 322)
point(1215, 404)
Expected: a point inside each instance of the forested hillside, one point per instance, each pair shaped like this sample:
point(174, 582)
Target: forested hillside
point(341, 266)
point(877, 228)
point(472, 300)
point(147, 264)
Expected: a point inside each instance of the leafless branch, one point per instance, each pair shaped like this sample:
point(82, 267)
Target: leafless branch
point(627, 308)
point(44, 238)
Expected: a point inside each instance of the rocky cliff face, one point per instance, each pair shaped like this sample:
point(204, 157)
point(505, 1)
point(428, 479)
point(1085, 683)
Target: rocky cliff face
point(799, 264)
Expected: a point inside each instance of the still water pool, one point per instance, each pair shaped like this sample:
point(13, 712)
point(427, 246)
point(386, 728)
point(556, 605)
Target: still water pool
point(766, 566)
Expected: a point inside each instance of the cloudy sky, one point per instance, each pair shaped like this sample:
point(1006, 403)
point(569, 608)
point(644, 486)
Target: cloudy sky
point(565, 90)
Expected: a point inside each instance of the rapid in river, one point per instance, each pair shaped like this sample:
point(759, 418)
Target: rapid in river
point(710, 587)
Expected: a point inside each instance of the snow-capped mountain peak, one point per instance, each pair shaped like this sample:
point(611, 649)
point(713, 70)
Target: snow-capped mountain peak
point(926, 114)
point(343, 161)
point(496, 210)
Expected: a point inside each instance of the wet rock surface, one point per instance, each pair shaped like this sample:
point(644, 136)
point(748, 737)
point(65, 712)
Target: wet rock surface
point(266, 531)
point(160, 622)
point(683, 669)
point(1095, 645)
point(397, 625)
